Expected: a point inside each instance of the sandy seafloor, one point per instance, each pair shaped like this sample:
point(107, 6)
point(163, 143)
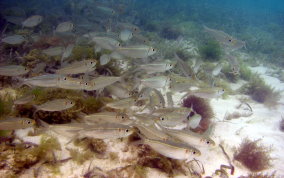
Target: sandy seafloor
point(263, 124)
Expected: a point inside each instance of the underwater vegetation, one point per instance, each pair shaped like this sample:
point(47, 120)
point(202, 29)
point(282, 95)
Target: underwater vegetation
point(253, 156)
point(244, 73)
point(5, 107)
point(16, 158)
point(200, 106)
point(260, 92)
point(170, 33)
point(211, 51)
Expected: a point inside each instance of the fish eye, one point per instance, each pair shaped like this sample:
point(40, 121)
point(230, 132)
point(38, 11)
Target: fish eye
point(86, 84)
point(29, 122)
point(208, 142)
point(91, 62)
point(64, 78)
point(162, 118)
point(153, 49)
point(126, 130)
point(191, 114)
point(122, 117)
point(223, 90)
point(71, 102)
point(230, 40)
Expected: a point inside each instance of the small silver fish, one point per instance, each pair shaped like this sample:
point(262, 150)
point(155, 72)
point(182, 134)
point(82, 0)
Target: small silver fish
point(106, 117)
point(32, 21)
point(16, 123)
point(24, 100)
point(118, 91)
point(48, 80)
point(106, 43)
point(152, 132)
point(64, 27)
point(104, 59)
point(191, 138)
point(106, 131)
point(53, 51)
point(155, 82)
point(67, 52)
point(171, 120)
point(217, 70)
point(13, 39)
point(101, 82)
point(78, 67)
point(208, 93)
point(125, 35)
point(136, 51)
point(122, 104)
point(56, 105)
point(106, 10)
point(172, 149)
point(13, 70)
point(71, 83)
point(157, 67)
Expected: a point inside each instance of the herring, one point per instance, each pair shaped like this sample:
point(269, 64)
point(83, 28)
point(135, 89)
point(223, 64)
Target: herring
point(125, 35)
point(136, 51)
point(32, 21)
point(56, 105)
point(78, 67)
point(155, 82)
point(16, 123)
point(13, 39)
point(64, 27)
point(53, 51)
point(13, 70)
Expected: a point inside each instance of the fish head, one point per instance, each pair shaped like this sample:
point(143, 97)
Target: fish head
point(122, 116)
point(192, 152)
point(207, 142)
point(28, 122)
point(151, 51)
point(91, 63)
point(220, 91)
point(124, 132)
point(69, 103)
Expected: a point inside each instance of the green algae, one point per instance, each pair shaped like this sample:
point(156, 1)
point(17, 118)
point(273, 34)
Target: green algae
point(95, 145)
point(83, 52)
point(211, 51)
point(80, 157)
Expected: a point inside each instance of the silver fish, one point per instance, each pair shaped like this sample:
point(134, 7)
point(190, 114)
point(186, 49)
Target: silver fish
point(48, 80)
point(106, 43)
point(155, 82)
point(106, 10)
point(13, 39)
point(170, 99)
point(171, 120)
point(64, 27)
point(67, 52)
point(217, 70)
point(157, 67)
point(101, 82)
point(78, 67)
point(71, 83)
point(16, 123)
point(53, 51)
point(152, 132)
point(13, 70)
point(104, 59)
point(122, 104)
point(106, 131)
point(24, 100)
point(209, 93)
point(136, 51)
point(191, 138)
point(118, 91)
point(125, 35)
point(172, 149)
point(32, 21)
point(106, 117)
point(56, 105)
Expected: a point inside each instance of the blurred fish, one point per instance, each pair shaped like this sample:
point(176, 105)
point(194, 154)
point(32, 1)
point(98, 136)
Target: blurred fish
point(234, 63)
point(71, 83)
point(191, 138)
point(106, 43)
point(208, 93)
point(106, 10)
point(64, 27)
point(136, 51)
point(13, 70)
point(53, 51)
point(129, 26)
point(172, 149)
point(14, 19)
point(217, 70)
point(32, 21)
point(122, 103)
point(184, 67)
point(152, 132)
point(104, 59)
point(102, 81)
point(144, 119)
point(155, 82)
point(118, 91)
point(13, 40)
point(78, 67)
point(116, 55)
point(67, 52)
point(48, 80)
point(106, 117)
point(225, 39)
point(125, 35)
point(106, 131)
point(171, 120)
point(157, 67)
point(157, 99)
point(170, 99)
point(145, 93)
point(193, 120)
point(56, 105)
point(24, 100)
point(16, 123)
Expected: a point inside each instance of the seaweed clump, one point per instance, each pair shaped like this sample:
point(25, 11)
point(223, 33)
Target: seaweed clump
point(202, 107)
point(211, 51)
point(260, 91)
point(170, 33)
point(253, 156)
